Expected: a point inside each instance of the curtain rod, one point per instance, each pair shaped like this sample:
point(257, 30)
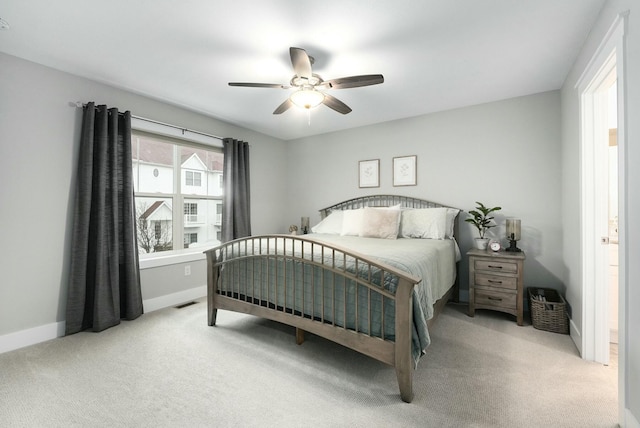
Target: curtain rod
point(157, 122)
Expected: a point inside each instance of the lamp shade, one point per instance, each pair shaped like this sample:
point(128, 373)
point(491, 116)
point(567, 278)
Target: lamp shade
point(513, 229)
point(307, 98)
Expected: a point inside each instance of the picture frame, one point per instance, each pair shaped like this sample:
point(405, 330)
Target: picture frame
point(404, 170)
point(369, 173)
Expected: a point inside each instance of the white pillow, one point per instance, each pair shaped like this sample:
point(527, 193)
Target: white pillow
point(351, 222)
point(331, 224)
point(451, 217)
point(430, 223)
point(380, 223)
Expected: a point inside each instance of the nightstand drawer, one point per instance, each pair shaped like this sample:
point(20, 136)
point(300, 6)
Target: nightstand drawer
point(498, 299)
point(498, 281)
point(496, 266)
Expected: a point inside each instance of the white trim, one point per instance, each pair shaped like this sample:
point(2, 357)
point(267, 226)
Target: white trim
point(594, 215)
point(613, 42)
point(574, 333)
point(171, 259)
point(623, 262)
point(31, 336)
point(608, 41)
point(43, 333)
point(629, 420)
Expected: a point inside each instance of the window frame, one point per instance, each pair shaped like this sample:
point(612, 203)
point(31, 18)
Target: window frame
point(179, 137)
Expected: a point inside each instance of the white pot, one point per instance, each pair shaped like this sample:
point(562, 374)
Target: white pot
point(481, 243)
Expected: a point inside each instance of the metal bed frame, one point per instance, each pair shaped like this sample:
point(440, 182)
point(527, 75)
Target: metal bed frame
point(225, 289)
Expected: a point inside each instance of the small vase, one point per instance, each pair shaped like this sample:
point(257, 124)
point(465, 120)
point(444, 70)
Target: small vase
point(481, 243)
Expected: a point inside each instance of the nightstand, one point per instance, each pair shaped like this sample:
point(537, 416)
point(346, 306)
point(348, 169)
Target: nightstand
point(496, 282)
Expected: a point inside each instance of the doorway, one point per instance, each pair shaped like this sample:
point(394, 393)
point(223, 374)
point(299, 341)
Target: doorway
point(596, 211)
point(612, 143)
point(606, 68)
point(601, 89)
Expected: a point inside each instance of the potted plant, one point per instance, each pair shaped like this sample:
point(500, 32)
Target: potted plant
point(481, 219)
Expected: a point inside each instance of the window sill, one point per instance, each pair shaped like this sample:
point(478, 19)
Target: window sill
point(171, 259)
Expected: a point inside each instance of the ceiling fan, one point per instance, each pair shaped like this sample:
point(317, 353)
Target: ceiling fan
point(309, 85)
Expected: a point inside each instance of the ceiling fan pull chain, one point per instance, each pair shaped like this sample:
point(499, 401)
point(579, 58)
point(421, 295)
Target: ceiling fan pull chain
point(308, 117)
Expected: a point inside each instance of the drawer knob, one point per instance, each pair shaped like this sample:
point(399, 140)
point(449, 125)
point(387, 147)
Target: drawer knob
point(495, 267)
point(494, 282)
point(495, 298)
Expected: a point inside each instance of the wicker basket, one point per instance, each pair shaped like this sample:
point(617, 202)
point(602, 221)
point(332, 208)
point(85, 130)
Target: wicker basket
point(550, 314)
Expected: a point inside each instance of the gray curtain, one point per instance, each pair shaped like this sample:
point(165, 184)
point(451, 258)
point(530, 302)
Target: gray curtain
point(236, 207)
point(104, 284)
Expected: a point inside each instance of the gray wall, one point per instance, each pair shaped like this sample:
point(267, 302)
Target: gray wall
point(38, 152)
point(504, 153)
point(510, 153)
point(630, 354)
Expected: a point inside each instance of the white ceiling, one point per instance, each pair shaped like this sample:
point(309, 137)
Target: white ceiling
point(434, 54)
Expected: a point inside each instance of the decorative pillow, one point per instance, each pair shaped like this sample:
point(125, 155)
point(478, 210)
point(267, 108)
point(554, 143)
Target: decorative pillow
point(331, 224)
point(380, 223)
point(451, 217)
point(351, 222)
point(430, 223)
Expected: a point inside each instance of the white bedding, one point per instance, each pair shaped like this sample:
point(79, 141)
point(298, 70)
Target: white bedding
point(432, 260)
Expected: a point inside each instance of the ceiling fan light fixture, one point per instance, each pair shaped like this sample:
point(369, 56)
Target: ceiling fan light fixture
point(307, 98)
point(306, 84)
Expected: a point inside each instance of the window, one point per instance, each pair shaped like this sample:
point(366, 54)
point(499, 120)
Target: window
point(193, 178)
point(177, 192)
point(190, 238)
point(190, 212)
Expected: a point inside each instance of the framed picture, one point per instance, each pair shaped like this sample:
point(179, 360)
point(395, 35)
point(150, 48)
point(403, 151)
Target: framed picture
point(369, 173)
point(404, 171)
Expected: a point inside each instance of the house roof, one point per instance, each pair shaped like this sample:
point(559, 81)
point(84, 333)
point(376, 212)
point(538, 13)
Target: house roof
point(149, 211)
point(158, 153)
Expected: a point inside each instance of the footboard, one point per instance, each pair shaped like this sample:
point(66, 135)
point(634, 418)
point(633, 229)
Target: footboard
point(326, 290)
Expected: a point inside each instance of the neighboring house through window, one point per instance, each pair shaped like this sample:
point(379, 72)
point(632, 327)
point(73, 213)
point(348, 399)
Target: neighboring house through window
point(178, 194)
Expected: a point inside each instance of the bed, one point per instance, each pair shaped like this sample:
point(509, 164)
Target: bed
point(351, 280)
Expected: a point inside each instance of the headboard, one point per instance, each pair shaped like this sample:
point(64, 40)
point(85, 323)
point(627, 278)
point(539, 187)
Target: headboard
point(385, 201)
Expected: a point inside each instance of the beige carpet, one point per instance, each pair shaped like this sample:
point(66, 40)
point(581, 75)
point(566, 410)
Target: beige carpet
point(169, 369)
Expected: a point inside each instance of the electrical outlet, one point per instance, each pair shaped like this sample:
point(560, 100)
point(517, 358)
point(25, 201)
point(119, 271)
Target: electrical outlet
point(187, 270)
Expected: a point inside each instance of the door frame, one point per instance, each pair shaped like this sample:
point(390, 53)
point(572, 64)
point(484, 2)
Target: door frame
point(595, 330)
point(595, 212)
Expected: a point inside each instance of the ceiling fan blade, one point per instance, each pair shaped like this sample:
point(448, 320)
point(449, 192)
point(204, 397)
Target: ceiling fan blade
point(283, 107)
point(336, 104)
point(301, 62)
point(259, 85)
point(355, 81)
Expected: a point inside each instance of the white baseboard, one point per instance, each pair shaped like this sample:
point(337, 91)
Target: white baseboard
point(630, 420)
point(32, 336)
point(575, 335)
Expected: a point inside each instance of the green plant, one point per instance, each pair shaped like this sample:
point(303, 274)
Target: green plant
point(481, 219)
